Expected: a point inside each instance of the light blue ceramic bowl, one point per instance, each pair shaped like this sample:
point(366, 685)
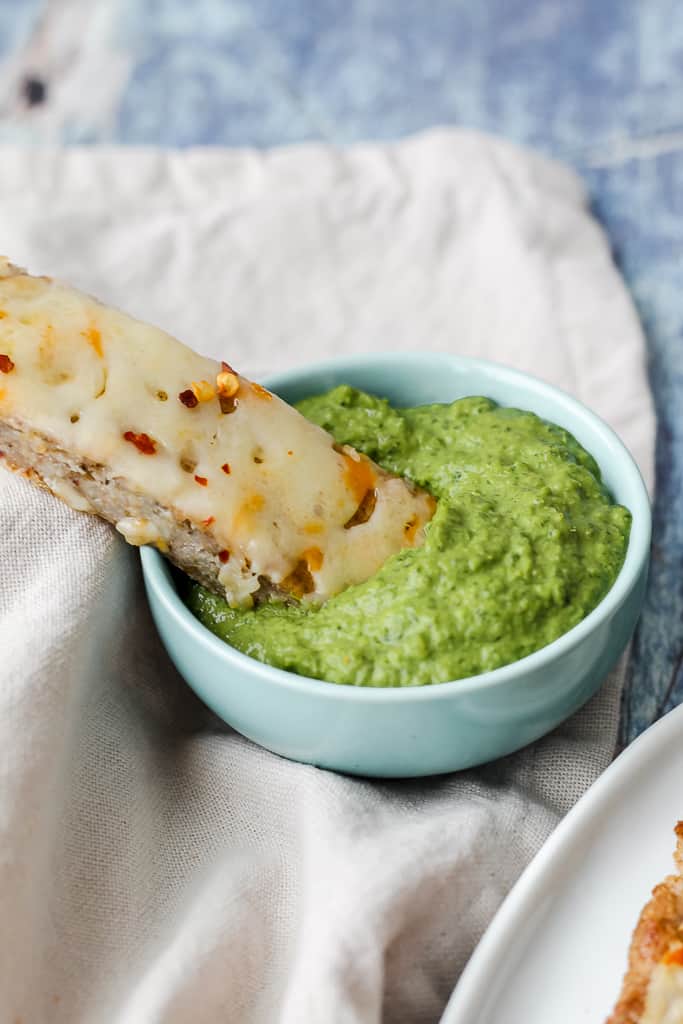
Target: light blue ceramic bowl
point(429, 729)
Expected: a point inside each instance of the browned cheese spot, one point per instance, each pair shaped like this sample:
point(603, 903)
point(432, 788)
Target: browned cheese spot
point(314, 558)
point(299, 581)
point(410, 529)
point(364, 510)
point(103, 386)
point(94, 338)
point(187, 461)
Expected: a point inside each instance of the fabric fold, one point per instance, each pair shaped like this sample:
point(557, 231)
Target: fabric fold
point(154, 865)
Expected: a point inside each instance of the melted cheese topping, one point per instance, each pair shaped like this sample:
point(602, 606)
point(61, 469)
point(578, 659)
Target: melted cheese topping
point(664, 1002)
point(241, 464)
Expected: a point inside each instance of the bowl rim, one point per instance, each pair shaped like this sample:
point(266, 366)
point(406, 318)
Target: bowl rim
point(158, 579)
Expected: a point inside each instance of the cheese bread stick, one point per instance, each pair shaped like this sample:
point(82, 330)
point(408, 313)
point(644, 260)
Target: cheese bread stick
point(117, 418)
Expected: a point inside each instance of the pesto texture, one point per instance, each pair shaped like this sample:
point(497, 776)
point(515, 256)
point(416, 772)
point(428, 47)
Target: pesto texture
point(524, 543)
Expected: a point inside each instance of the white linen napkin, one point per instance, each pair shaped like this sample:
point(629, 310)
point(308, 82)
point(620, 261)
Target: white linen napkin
point(154, 865)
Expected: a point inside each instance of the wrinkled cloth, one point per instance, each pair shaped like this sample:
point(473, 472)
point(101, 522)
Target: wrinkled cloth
point(154, 865)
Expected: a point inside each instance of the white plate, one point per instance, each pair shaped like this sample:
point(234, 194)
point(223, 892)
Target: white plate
point(556, 950)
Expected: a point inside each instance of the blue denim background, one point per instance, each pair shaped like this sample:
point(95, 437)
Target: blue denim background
point(598, 83)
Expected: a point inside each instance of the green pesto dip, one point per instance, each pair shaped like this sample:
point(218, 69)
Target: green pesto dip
point(525, 541)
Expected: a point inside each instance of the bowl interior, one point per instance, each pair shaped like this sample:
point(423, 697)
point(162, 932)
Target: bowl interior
point(420, 378)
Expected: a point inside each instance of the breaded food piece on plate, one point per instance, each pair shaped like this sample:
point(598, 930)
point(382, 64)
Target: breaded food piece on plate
point(652, 991)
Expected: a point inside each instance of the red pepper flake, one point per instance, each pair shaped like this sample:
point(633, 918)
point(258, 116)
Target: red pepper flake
point(2, 455)
point(143, 442)
point(260, 391)
point(227, 368)
point(226, 468)
point(227, 383)
point(224, 556)
point(207, 522)
point(203, 391)
point(201, 480)
point(188, 398)
point(227, 404)
point(6, 364)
